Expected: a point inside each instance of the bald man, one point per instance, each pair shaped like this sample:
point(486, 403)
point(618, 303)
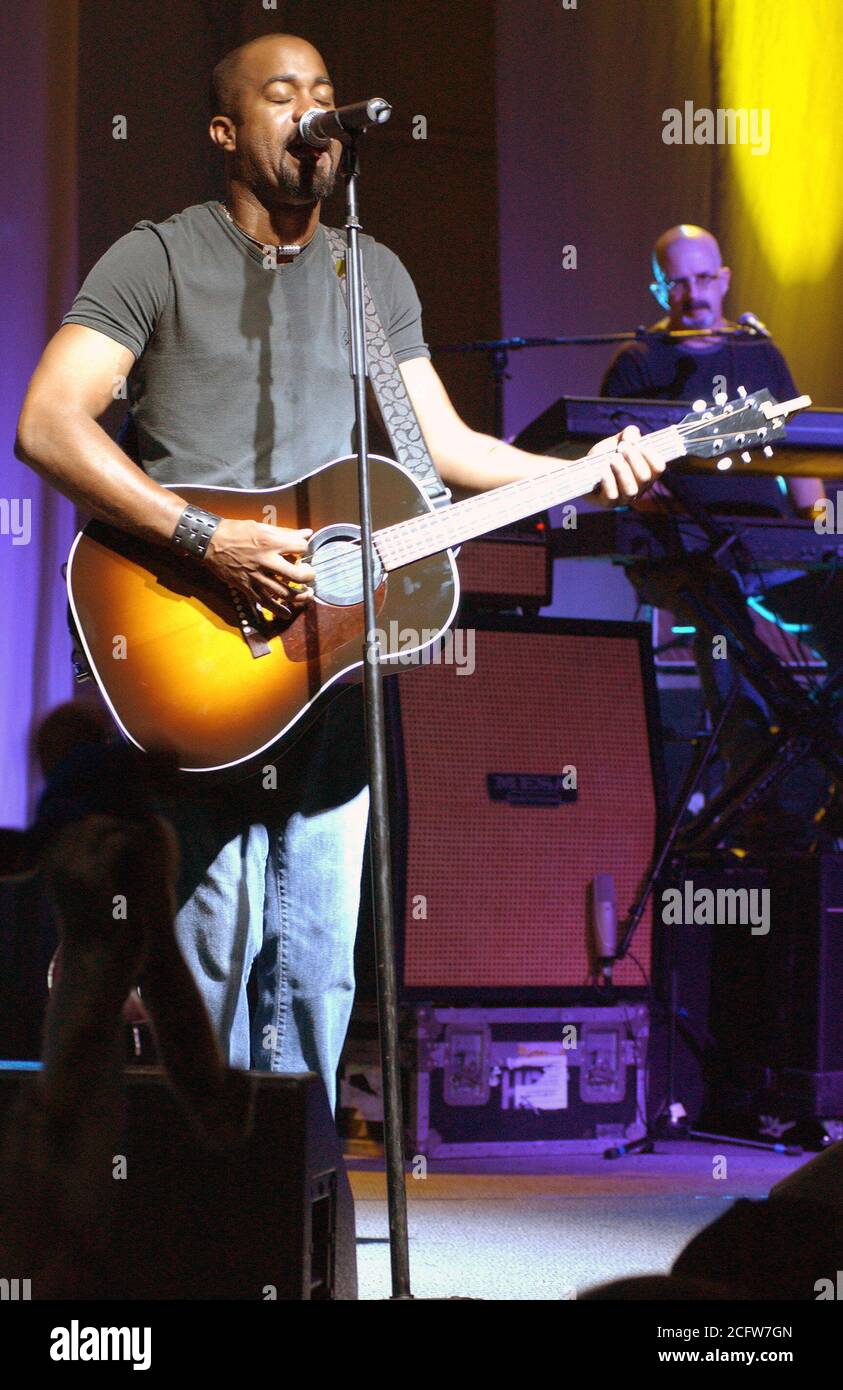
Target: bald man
point(690, 282)
point(229, 323)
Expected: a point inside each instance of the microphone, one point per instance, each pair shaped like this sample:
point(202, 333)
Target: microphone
point(755, 326)
point(320, 127)
point(604, 922)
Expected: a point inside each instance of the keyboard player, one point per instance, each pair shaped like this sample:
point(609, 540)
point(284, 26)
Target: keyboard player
point(690, 283)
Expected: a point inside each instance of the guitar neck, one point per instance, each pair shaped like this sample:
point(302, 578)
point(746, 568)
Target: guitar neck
point(433, 532)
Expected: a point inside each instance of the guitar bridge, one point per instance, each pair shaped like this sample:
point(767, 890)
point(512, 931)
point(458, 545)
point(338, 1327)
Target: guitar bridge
point(249, 623)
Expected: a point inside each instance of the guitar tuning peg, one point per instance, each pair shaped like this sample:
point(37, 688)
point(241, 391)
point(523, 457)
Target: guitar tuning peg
point(746, 456)
point(721, 398)
point(742, 392)
point(698, 406)
point(724, 463)
point(767, 451)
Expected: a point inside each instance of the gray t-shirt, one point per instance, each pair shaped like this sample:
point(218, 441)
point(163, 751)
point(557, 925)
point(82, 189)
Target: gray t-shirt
point(241, 373)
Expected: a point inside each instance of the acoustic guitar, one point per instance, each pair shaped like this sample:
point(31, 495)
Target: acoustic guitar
point(185, 663)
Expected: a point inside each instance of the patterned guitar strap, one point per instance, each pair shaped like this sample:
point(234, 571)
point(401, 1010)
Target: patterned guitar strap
point(396, 408)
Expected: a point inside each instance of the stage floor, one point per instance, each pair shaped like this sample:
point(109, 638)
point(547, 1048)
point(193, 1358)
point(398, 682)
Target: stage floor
point(552, 1228)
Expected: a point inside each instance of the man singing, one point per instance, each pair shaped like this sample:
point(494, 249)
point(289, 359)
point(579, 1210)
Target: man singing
point(228, 322)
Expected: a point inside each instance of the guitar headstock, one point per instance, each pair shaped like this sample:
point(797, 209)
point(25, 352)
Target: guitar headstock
point(754, 419)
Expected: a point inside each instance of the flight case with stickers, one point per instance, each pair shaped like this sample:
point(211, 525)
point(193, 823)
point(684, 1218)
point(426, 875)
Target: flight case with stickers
point(486, 1082)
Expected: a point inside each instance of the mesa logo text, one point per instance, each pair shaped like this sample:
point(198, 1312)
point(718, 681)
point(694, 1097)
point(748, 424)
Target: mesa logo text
point(78, 1343)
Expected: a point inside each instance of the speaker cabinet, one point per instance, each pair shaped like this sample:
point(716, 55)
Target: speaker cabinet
point(270, 1218)
point(519, 776)
point(761, 1025)
point(509, 570)
point(810, 1000)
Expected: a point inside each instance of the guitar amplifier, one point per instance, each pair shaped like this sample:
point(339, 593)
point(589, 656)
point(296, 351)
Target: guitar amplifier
point(514, 570)
point(517, 778)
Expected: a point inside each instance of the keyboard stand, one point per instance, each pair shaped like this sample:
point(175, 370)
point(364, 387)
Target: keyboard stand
point(806, 719)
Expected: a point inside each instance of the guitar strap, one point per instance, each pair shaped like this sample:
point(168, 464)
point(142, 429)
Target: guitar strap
point(396, 408)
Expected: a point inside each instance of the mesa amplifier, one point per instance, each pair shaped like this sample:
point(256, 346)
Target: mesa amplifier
point(512, 570)
point(519, 775)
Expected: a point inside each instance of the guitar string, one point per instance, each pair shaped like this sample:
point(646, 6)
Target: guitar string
point(347, 564)
point(346, 567)
point(522, 488)
point(659, 438)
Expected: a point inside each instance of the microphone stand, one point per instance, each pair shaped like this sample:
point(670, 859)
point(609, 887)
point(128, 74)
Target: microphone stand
point(498, 349)
point(376, 748)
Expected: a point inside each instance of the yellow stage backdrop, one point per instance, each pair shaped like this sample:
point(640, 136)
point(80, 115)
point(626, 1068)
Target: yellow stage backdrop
point(781, 213)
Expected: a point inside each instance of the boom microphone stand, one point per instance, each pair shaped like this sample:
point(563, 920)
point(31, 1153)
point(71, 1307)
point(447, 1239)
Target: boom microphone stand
point(497, 350)
point(376, 748)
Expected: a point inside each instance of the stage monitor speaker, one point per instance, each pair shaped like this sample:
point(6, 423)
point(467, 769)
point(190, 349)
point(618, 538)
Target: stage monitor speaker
point(520, 775)
point(271, 1218)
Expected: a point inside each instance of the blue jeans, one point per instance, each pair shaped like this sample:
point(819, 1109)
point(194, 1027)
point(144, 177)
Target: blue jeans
point(270, 886)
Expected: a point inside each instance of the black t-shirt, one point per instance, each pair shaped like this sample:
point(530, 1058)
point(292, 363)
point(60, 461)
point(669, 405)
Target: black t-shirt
point(241, 375)
point(655, 370)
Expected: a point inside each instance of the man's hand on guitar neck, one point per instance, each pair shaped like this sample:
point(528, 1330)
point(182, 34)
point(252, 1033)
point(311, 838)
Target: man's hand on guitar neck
point(629, 472)
point(475, 462)
point(262, 562)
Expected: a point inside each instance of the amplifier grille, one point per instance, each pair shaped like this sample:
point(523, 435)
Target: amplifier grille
point(504, 887)
point(512, 569)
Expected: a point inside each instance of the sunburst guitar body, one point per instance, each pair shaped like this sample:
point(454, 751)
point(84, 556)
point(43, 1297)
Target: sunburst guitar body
point(187, 665)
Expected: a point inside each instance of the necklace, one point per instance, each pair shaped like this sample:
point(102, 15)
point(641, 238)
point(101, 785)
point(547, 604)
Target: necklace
point(292, 250)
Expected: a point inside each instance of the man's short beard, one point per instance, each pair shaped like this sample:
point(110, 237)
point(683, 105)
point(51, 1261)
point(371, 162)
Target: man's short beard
point(312, 187)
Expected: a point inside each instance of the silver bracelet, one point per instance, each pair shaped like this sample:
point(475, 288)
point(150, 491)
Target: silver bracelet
point(193, 533)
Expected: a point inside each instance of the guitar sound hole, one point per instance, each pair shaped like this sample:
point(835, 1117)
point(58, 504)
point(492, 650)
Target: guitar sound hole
point(335, 556)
